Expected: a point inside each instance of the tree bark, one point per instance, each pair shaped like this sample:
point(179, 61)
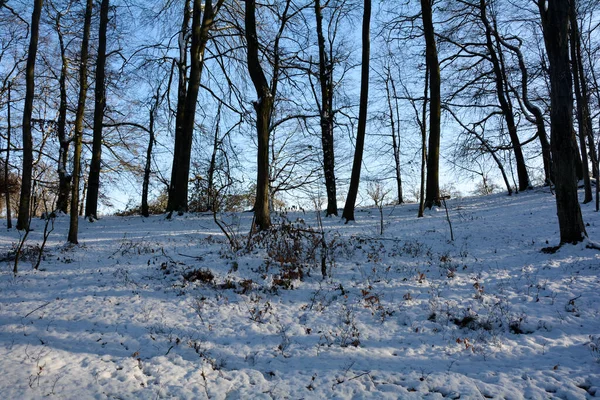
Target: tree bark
point(91, 201)
point(538, 116)
point(432, 191)
point(326, 115)
point(584, 125)
point(348, 213)
point(555, 23)
point(25, 197)
point(504, 100)
point(201, 25)
point(394, 110)
point(174, 185)
point(83, 86)
point(423, 127)
point(148, 166)
point(64, 179)
point(263, 107)
point(7, 159)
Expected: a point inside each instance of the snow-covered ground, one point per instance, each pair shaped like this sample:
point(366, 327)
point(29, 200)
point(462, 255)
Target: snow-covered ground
point(408, 314)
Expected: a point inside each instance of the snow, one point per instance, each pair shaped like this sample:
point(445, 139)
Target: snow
point(408, 315)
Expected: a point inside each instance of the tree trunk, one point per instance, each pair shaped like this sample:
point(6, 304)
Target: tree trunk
point(83, 86)
point(174, 185)
point(555, 22)
point(423, 126)
point(64, 179)
point(503, 99)
point(583, 108)
point(394, 110)
point(201, 25)
point(148, 166)
point(91, 205)
point(432, 191)
point(533, 109)
point(348, 213)
point(326, 115)
point(7, 192)
point(211, 200)
point(25, 198)
point(583, 79)
point(263, 107)
point(587, 184)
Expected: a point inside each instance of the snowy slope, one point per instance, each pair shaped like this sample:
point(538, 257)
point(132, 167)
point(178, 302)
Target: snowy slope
point(407, 314)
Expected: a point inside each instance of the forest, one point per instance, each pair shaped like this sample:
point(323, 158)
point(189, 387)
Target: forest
point(190, 106)
point(299, 199)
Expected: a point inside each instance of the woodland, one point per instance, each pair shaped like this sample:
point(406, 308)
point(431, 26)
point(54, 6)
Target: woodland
point(341, 199)
point(190, 106)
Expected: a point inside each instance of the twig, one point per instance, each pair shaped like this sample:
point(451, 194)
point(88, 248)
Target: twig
point(31, 312)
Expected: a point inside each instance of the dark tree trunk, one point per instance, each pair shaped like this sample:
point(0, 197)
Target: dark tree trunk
point(211, 195)
point(64, 179)
point(585, 97)
point(533, 109)
point(83, 86)
point(7, 191)
point(25, 198)
point(148, 166)
point(394, 110)
point(201, 25)
point(174, 186)
point(91, 204)
point(263, 107)
point(326, 115)
point(348, 213)
point(555, 22)
point(503, 99)
point(583, 108)
point(585, 167)
point(423, 126)
point(432, 191)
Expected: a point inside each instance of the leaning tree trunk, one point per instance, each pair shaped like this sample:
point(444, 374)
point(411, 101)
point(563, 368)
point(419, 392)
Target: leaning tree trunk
point(555, 22)
point(25, 198)
point(432, 191)
point(505, 104)
point(91, 201)
point(326, 114)
point(83, 86)
point(263, 107)
point(348, 213)
point(538, 116)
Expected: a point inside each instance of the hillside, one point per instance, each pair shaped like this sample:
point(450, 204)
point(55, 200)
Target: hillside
point(155, 308)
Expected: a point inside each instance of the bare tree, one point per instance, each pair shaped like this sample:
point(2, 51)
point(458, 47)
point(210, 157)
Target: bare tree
point(432, 192)
point(555, 22)
point(25, 198)
point(584, 121)
point(91, 205)
point(83, 86)
point(200, 34)
point(264, 108)
point(326, 113)
point(348, 213)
